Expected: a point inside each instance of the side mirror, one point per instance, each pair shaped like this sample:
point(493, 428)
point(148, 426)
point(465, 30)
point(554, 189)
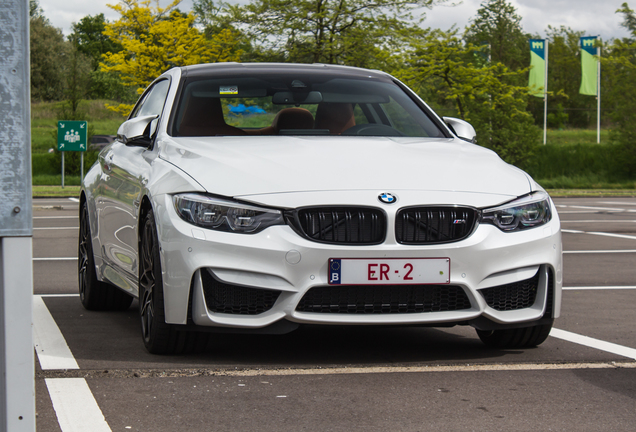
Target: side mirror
point(137, 131)
point(462, 129)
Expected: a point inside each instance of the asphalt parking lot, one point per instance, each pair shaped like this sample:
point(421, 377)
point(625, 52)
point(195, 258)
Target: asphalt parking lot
point(93, 373)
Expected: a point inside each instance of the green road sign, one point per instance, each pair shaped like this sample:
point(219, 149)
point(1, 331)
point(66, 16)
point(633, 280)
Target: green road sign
point(71, 135)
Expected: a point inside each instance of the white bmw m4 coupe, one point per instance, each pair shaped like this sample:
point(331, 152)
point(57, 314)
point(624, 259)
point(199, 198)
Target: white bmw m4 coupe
point(263, 197)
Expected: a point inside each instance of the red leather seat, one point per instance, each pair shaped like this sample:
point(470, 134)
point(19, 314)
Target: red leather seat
point(337, 117)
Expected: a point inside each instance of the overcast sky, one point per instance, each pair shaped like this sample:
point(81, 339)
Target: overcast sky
point(592, 16)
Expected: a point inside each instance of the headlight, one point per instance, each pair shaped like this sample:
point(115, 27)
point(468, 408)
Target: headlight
point(526, 212)
point(213, 213)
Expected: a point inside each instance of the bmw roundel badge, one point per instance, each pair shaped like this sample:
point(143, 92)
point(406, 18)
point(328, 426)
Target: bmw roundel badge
point(387, 198)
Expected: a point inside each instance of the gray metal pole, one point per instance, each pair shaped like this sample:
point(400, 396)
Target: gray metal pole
point(17, 380)
point(545, 97)
point(598, 96)
point(62, 170)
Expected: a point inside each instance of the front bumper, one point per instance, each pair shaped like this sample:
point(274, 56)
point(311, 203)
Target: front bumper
point(280, 261)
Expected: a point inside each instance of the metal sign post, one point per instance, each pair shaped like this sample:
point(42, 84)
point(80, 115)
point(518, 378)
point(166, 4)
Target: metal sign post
point(72, 135)
point(17, 373)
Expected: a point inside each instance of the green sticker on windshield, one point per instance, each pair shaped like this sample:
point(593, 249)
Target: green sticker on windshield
point(229, 90)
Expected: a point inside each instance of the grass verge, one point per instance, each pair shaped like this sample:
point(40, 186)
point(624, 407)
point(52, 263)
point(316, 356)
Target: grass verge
point(595, 193)
point(55, 191)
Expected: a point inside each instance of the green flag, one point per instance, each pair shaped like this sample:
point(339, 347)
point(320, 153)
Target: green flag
point(536, 81)
point(589, 66)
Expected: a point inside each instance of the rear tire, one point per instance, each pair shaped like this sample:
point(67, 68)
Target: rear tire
point(158, 336)
point(95, 295)
point(526, 337)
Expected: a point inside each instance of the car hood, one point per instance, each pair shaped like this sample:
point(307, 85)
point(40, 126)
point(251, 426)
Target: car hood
point(242, 166)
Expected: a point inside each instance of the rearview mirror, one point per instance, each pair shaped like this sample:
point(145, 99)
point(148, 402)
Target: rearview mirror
point(138, 131)
point(293, 98)
point(462, 129)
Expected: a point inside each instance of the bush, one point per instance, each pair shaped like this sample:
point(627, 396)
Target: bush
point(44, 164)
point(589, 164)
point(48, 180)
point(50, 164)
point(558, 119)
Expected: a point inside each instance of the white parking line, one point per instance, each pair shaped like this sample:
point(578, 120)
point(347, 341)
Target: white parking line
point(631, 237)
point(75, 405)
point(592, 288)
point(598, 221)
point(600, 251)
point(73, 199)
point(421, 369)
point(599, 234)
point(56, 259)
point(56, 228)
point(50, 346)
point(562, 212)
point(55, 217)
point(618, 203)
point(594, 343)
point(596, 208)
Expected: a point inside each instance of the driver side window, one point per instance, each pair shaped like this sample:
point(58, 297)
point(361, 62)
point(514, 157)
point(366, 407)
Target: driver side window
point(153, 101)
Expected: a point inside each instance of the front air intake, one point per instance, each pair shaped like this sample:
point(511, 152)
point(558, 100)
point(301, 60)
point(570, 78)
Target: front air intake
point(222, 297)
point(384, 299)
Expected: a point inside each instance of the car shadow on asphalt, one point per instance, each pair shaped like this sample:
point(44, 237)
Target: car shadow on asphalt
point(113, 340)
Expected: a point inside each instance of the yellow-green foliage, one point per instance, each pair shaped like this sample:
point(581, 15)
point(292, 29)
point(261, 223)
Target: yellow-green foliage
point(483, 93)
point(156, 39)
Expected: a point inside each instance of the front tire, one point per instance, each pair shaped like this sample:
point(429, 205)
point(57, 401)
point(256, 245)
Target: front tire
point(158, 336)
point(95, 295)
point(527, 337)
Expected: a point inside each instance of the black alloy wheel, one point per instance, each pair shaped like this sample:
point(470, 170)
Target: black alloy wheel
point(94, 294)
point(159, 337)
point(148, 266)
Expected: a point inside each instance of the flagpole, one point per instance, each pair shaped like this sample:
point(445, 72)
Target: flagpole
point(598, 95)
point(545, 97)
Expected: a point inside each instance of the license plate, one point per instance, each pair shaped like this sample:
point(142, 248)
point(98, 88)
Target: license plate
point(389, 271)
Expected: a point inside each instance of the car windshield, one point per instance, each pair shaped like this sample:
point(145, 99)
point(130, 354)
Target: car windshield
point(298, 104)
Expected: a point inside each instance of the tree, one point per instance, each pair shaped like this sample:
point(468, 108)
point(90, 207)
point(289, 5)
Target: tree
point(76, 81)
point(498, 27)
point(353, 32)
point(619, 71)
point(90, 40)
point(48, 56)
point(445, 65)
point(155, 39)
point(629, 18)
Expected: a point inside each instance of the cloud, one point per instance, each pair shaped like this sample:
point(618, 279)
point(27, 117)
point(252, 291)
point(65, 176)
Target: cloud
point(592, 16)
point(63, 13)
